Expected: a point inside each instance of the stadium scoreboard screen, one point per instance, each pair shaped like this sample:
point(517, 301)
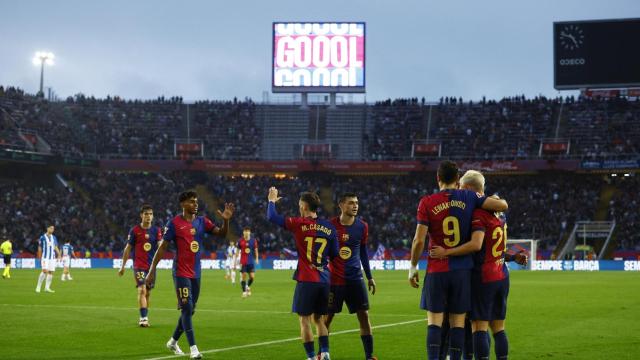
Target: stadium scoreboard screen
point(318, 57)
point(596, 54)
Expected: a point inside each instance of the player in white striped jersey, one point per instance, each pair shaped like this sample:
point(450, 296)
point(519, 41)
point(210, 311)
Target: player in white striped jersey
point(67, 253)
point(232, 261)
point(48, 253)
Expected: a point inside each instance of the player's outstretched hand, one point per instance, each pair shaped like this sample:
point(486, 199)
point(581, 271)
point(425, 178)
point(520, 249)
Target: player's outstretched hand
point(229, 209)
point(150, 277)
point(372, 286)
point(438, 252)
point(273, 195)
point(414, 277)
point(521, 259)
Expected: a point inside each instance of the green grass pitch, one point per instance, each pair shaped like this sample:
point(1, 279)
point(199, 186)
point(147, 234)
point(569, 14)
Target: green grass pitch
point(574, 315)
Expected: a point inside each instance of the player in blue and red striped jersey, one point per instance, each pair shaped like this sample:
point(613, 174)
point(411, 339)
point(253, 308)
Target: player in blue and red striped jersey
point(186, 232)
point(490, 277)
point(142, 241)
point(446, 217)
point(248, 247)
point(346, 275)
point(316, 243)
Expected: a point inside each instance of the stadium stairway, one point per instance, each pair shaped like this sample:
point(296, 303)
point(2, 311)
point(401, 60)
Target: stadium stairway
point(326, 196)
point(212, 204)
point(606, 194)
point(97, 212)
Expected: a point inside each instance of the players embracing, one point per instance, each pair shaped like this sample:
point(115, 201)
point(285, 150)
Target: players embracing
point(446, 217)
point(490, 276)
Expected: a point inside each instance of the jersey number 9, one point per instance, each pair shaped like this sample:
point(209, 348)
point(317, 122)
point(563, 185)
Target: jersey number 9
point(451, 227)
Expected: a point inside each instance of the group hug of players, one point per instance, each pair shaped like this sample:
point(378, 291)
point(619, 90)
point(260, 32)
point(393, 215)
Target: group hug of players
point(466, 273)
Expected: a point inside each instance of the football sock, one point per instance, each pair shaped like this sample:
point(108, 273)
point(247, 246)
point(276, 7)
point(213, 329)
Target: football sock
point(324, 343)
point(250, 282)
point(367, 343)
point(467, 353)
point(49, 279)
point(187, 326)
point(6, 270)
point(456, 343)
point(178, 331)
point(434, 334)
point(194, 349)
point(502, 345)
point(243, 284)
point(143, 312)
point(41, 279)
point(308, 348)
point(481, 345)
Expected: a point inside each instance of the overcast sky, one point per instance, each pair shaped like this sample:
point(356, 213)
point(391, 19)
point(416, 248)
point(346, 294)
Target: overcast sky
point(218, 50)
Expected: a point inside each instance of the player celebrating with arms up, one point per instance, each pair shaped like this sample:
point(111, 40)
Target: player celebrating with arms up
point(143, 240)
point(446, 217)
point(248, 247)
point(346, 276)
point(316, 243)
point(490, 277)
point(186, 232)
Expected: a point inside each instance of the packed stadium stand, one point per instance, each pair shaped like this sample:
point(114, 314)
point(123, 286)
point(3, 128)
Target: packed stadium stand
point(94, 206)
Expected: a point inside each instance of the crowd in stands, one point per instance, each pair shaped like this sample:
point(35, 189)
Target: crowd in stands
point(103, 206)
point(511, 128)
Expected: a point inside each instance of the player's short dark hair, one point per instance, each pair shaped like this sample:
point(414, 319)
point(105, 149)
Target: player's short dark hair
point(345, 196)
point(312, 199)
point(448, 172)
point(246, 228)
point(145, 207)
point(186, 195)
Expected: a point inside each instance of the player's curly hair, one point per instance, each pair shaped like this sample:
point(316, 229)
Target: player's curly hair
point(186, 195)
point(312, 199)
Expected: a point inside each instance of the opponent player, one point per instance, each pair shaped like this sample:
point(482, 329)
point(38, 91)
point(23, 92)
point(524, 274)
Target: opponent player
point(67, 253)
point(316, 243)
point(6, 249)
point(231, 262)
point(346, 277)
point(490, 277)
point(186, 232)
point(48, 253)
point(143, 241)
point(446, 217)
point(249, 257)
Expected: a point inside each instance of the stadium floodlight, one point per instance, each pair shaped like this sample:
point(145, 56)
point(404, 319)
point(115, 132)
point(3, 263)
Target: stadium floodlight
point(41, 58)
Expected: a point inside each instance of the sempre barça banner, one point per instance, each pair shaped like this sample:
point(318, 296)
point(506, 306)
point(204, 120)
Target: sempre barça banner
point(318, 57)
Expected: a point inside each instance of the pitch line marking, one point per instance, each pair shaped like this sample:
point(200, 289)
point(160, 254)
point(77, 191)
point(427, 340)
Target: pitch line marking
point(286, 340)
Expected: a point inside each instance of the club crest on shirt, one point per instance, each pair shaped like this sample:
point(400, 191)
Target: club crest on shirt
point(345, 238)
point(247, 251)
point(194, 246)
point(345, 252)
point(147, 247)
point(146, 236)
point(192, 231)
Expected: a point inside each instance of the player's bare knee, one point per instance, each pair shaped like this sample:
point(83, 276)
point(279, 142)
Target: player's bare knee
point(457, 320)
point(435, 318)
point(496, 326)
point(479, 325)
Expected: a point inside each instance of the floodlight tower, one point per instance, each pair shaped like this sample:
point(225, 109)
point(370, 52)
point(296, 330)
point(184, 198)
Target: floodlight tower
point(41, 58)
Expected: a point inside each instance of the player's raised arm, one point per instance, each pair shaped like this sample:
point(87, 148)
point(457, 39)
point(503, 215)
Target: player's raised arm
point(495, 204)
point(417, 247)
point(272, 213)
point(229, 209)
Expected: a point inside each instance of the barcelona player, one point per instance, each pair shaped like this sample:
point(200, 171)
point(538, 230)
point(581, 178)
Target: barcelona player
point(490, 277)
point(249, 257)
point(446, 217)
point(143, 241)
point(186, 232)
point(347, 284)
point(316, 243)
